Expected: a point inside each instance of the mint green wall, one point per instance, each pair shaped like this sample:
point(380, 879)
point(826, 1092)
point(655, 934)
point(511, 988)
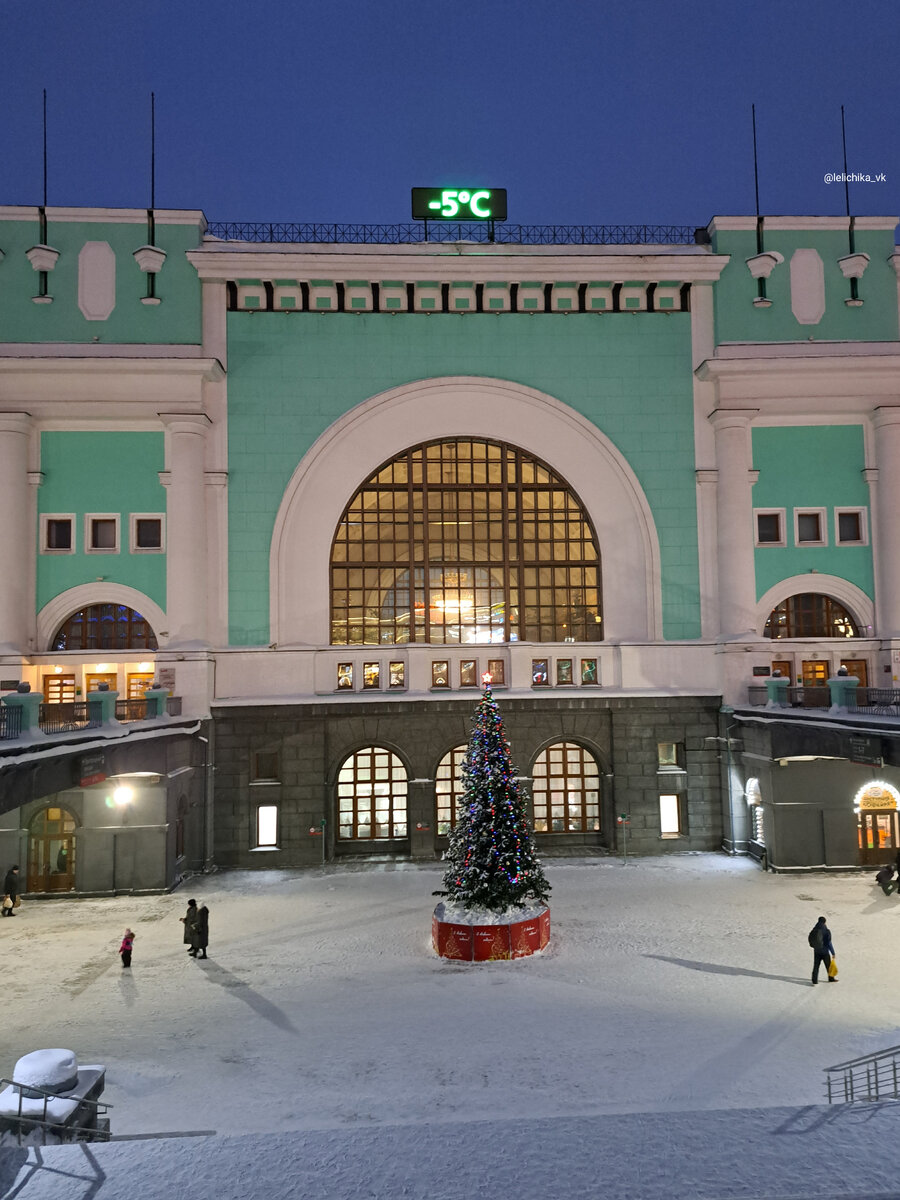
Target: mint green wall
point(101, 473)
point(291, 377)
point(175, 320)
point(811, 466)
point(738, 321)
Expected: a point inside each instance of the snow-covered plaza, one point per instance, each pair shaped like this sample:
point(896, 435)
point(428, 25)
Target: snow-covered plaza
point(668, 1042)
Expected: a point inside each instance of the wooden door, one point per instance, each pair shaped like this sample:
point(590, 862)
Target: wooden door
point(109, 677)
point(858, 667)
point(59, 689)
point(785, 666)
point(138, 683)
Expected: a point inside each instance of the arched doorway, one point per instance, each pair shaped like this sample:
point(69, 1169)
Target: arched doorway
point(566, 790)
point(51, 851)
point(878, 823)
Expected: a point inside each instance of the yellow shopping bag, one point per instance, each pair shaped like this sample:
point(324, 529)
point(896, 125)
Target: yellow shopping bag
point(832, 969)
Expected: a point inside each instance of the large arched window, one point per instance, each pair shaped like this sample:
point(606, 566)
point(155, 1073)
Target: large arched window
point(448, 788)
point(810, 614)
point(371, 796)
point(566, 790)
point(464, 541)
point(105, 627)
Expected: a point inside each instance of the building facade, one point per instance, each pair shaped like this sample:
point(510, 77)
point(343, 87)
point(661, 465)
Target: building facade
point(318, 489)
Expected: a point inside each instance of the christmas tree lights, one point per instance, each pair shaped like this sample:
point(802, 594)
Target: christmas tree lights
point(491, 860)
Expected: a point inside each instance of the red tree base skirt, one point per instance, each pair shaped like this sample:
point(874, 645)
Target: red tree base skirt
point(506, 937)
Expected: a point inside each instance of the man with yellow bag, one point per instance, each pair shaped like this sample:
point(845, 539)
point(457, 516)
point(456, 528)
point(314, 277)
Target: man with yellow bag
point(823, 951)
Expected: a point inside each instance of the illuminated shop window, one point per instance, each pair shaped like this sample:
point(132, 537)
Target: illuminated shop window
point(464, 542)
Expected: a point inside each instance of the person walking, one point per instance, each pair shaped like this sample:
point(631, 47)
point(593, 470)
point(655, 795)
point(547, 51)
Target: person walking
point(189, 921)
point(823, 949)
point(125, 948)
point(884, 877)
point(11, 889)
point(202, 931)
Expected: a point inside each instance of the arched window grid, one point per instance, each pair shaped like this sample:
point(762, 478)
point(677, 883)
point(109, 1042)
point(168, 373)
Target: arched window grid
point(810, 614)
point(448, 788)
point(372, 796)
point(566, 790)
point(464, 542)
point(105, 627)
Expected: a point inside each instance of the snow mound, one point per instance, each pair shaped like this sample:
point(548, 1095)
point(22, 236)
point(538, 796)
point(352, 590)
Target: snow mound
point(457, 914)
point(52, 1070)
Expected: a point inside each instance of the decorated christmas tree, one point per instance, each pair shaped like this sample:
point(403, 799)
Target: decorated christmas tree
point(491, 860)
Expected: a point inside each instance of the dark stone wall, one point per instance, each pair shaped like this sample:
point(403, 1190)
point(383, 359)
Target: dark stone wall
point(313, 741)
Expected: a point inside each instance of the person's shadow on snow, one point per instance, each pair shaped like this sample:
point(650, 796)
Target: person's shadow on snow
point(127, 988)
point(717, 969)
point(216, 974)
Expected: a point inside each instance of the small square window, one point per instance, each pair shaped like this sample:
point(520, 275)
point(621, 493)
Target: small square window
point(397, 674)
point(267, 826)
point(147, 533)
point(852, 529)
point(809, 527)
point(540, 674)
point(345, 677)
point(769, 527)
point(101, 533)
point(265, 765)
point(440, 673)
point(667, 754)
point(57, 534)
point(497, 671)
point(371, 676)
point(468, 672)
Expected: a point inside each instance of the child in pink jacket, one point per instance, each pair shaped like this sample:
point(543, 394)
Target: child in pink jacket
point(125, 948)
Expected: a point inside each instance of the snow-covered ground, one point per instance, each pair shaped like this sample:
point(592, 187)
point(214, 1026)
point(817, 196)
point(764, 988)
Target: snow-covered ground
point(675, 994)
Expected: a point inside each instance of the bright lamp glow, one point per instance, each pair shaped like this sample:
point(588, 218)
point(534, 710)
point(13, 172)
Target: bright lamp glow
point(123, 795)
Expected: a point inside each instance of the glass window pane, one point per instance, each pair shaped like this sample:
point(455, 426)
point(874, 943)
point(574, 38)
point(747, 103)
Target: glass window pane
point(267, 825)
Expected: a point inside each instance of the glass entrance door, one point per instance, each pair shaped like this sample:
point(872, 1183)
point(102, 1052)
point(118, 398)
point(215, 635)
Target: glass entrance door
point(51, 851)
point(879, 837)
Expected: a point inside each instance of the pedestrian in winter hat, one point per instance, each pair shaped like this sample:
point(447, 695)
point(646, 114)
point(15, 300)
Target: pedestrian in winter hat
point(125, 948)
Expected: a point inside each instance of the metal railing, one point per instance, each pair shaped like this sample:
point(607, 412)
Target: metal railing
point(871, 1077)
point(300, 232)
point(876, 701)
point(10, 722)
point(131, 710)
point(98, 1132)
point(70, 715)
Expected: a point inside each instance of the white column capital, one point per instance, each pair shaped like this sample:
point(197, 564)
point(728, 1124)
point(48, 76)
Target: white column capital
point(195, 423)
point(732, 418)
point(707, 476)
point(15, 422)
point(886, 414)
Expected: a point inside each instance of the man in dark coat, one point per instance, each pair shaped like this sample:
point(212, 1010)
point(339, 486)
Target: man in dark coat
point(11, 889)
point(823, 949)
point(189, 921)
point(884, 877)
point(202, 930)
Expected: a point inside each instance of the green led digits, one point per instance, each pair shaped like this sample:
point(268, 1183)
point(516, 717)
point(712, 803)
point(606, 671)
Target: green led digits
point(459, 204)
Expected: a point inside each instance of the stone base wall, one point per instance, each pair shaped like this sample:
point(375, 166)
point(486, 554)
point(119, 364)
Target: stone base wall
point(309, 743)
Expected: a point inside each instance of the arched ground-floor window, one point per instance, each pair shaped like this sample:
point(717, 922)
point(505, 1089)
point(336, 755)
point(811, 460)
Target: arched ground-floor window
point(566, 790)
point(51, 851)
point(372, 796)
point(448, 788)
point(105, 627)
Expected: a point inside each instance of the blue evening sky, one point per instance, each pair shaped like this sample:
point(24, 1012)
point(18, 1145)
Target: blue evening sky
point(587, 111)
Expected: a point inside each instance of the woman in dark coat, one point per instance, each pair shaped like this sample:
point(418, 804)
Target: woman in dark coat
point(202, 931)
point(11, 889)
point(189, 921)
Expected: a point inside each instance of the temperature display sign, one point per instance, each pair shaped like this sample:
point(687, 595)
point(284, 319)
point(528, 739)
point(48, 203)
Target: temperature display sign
point(459, 204)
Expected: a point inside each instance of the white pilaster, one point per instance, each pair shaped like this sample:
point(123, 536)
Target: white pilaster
point(16, 534)
point(886, 521)
point(187, 542)
point(734, 533)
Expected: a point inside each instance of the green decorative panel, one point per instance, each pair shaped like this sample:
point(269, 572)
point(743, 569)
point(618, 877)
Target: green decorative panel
point(290, 380)
point(811, 467)
point(176, 319)
point(737, 320)
point(101, 473)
